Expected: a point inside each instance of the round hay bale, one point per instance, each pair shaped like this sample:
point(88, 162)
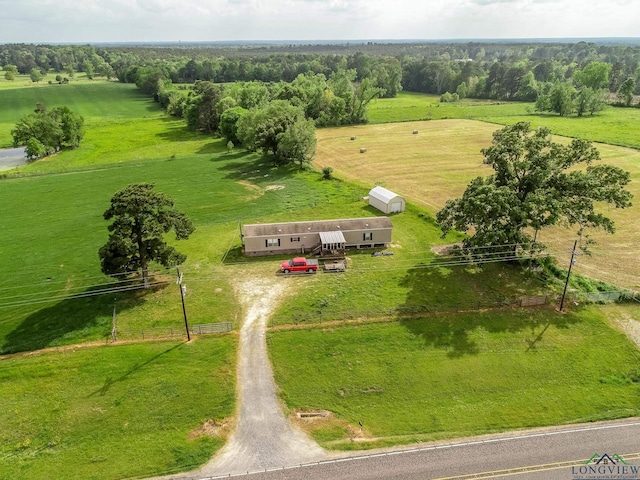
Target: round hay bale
point(415, 132)
point(362, 150)
point(353, 137)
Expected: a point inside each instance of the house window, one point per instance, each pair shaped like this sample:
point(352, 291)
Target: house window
point(272, 242)
point(295, 239)
point(367, 236)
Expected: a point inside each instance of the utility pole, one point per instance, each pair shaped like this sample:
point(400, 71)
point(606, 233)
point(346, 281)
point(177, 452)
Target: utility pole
point(184, 310)
point(566, 283)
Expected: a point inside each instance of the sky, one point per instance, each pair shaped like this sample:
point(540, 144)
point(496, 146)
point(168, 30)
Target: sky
point(94, 21)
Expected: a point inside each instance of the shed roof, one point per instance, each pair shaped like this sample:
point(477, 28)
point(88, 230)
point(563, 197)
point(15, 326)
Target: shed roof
point(382, 194)
point(345, 225)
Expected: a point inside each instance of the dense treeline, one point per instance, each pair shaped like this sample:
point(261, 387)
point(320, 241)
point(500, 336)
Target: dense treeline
point(276, 118)
point(487, 70)
point(270, 97)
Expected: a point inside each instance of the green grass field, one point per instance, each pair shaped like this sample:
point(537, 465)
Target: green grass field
point(99, 102)
point(53, 225)
point(54, 229)
point(616, 126)
point(115, 412)
point(51, 230)
point(456, 375)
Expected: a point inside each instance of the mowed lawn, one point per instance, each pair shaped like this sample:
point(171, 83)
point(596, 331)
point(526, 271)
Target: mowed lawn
point(452, 376)
point(436, 164)
point(129, 411)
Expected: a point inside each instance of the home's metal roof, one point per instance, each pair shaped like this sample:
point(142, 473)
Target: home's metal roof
point(382, 194)
point(297, 228)
point(332, 237)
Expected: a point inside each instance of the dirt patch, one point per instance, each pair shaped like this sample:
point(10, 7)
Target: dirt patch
point(274, 187)
point(311, 421)
point(444, 249)
point(212, 428)
point(631, 327)
point(256, 191)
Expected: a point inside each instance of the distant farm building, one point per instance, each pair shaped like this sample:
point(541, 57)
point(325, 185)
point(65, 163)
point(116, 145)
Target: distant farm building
point(386, 201)
point(324, 236)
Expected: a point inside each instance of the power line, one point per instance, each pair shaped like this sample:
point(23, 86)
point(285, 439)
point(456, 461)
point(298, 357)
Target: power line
point(122, 288)
point(499, 256)
point(48, 282)
point(109, 291)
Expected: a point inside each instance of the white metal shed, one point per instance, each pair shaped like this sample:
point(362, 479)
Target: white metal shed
point(386, 201)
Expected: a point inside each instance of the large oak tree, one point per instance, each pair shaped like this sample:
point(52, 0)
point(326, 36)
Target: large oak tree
point(536, 183)
point(141, 218)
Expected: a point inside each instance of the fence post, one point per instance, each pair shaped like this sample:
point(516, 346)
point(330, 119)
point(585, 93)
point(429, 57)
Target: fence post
point(143, 334)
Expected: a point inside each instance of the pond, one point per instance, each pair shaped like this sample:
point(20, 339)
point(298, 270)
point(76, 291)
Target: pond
point(12, 158)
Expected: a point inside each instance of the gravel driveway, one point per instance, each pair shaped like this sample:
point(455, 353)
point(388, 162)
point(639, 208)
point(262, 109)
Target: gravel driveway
point(264, 438)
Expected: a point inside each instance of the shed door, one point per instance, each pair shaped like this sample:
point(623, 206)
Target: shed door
point(396, 207)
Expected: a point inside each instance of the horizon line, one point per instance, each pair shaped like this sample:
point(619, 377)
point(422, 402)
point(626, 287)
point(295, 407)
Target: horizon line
point(302, 42)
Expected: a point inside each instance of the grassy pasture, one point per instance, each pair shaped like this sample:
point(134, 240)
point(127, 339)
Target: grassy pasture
point(50, 238)
point(115, 412)
point(409, 106)
point(456, 375)
point(438, 163)
point(20, 81)
point(53, 225)
point(53, 229)
point(616, 126)
point(97, 102)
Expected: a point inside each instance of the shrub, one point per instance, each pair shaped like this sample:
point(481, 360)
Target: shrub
point(327, 173)
point(449, 97)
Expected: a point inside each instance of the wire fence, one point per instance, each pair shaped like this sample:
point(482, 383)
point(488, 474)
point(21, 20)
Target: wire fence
point(620, 296)
point(457, 307)
point(158, 333)
point(408, 311)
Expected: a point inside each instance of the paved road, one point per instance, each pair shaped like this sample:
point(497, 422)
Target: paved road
point(540, 455)
point(12, 157)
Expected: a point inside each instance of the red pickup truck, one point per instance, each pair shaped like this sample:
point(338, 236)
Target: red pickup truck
point(299, 264)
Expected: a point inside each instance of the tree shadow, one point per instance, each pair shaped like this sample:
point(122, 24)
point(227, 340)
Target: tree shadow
point(224, 156)
point(254, 168)
point(453, 300)
point(70, 321)
point(176, 131)
point(110, 381)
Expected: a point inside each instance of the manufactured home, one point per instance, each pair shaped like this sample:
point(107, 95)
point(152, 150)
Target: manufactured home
point(316, 237)
point(386, 201)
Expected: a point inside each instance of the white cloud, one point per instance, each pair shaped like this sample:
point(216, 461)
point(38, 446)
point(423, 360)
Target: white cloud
point(201, 20)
